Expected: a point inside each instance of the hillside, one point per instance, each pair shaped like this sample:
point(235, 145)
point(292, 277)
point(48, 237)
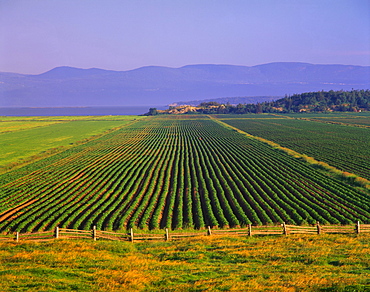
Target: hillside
point(154, 85)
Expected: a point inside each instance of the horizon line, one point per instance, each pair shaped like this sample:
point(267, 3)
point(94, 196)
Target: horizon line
point(197, 64)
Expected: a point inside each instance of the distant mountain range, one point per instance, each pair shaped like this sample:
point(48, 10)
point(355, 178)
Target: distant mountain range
point(68, 86)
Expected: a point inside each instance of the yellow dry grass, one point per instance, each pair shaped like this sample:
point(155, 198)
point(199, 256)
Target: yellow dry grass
point(276, 263)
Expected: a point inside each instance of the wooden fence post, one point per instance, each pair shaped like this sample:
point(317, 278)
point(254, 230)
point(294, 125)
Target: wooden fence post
point(94, 233)
point(167, 235)
point(318, 227)
point(209, 231)
point(285, 231)
point(250, 229)
point(358, 227)
point(17, 236)
point(131, 235)
point(56, 232)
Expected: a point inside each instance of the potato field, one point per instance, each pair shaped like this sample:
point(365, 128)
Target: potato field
point(190, 172)
point(345, 147)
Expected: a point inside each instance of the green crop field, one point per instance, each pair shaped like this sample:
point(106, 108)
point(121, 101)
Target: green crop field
point(329, 115)
point(22, 137)
point(177, 172)
point(344, 147)
point(359, 119)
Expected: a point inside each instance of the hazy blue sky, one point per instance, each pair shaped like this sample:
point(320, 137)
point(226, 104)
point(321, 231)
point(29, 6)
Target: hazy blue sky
point(36, 35)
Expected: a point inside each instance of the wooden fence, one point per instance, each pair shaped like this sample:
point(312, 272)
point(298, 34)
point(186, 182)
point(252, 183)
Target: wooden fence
point(284, 229)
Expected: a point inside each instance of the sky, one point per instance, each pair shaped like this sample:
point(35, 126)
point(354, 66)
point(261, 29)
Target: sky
point(38, 35)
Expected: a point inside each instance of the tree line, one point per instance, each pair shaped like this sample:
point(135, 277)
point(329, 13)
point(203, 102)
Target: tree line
point(320, 101)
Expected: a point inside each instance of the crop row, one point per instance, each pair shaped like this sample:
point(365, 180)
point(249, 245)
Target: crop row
point(174, 173)
point(340, 146)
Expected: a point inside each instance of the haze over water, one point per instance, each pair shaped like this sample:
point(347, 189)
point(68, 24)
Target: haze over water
point(74, 111)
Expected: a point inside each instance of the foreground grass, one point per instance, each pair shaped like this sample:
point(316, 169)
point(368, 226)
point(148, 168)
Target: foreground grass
point(293, 263)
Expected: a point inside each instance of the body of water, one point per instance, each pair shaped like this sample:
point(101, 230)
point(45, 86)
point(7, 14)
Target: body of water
point(75, 111)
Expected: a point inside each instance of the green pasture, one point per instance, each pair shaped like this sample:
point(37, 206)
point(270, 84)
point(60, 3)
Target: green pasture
point(67, 118)
point(12, 126)
point(36, 135)
point(42, 118)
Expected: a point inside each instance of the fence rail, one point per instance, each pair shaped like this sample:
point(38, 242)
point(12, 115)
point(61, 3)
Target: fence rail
point(109, 235)
point(284, 229)
point(292, 229)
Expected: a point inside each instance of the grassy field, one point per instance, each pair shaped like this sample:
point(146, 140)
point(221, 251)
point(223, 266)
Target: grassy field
point(24, 137)
point(6, 126)
point(295, 263)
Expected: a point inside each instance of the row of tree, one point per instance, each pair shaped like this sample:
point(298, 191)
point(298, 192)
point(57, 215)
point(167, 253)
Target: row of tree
point(320, 101)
